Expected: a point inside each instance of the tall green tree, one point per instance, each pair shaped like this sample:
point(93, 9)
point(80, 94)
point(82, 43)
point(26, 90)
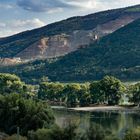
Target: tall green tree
point(10, 84)
point(84, 95)
point(16, 111)
point(51, 91)
point(71, 92)
point(135, 94)
point(97, 95)
point(108, 90)
point(113, 89)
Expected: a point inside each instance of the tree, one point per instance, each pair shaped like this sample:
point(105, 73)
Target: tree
point(71, 91)
point(108, 90)
point(135, 93)
point(16, 111)
point(30, 91)
point(112, 88)
point(10, 84)
point(44, 79)
point(84, 95)
point(132, 134)
point(50, 91)
point(97, 95)
point(53, 133)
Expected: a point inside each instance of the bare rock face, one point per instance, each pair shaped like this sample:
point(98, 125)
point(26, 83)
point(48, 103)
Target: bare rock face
point(114, 25)
point(62, 44)
point(58, 45)
point(9, 61)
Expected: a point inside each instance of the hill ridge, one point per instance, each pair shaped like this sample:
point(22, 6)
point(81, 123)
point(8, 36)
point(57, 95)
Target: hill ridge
point(117, 54)
point(100, 23)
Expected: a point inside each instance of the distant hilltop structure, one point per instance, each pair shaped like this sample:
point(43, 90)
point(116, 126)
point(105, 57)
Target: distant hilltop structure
point(96, 37)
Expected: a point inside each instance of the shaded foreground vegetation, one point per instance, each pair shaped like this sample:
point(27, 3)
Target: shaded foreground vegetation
point(25, 106)
point(69, 133)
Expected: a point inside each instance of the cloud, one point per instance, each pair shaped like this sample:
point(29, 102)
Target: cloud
point(34, 23)
point(17, 26)
point(4, 33)
point(82, 3)
point(99, 4)
point(56, 10)
point(66, 7)
point(118, 3)
point(6, 6)
point(51, 6)
point(42, 5)
point(2, 25)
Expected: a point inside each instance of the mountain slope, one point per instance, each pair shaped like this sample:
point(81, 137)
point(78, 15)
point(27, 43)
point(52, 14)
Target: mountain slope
point(28, 45)
point(117, 54)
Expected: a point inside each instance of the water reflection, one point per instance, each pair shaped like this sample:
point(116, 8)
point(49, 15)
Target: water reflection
point(115, 121)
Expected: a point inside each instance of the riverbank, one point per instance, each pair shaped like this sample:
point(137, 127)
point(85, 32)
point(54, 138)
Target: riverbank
point(99, 108)
point(104, 108)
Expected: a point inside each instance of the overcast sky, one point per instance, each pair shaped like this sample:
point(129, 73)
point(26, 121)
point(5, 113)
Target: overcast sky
point(21, 15)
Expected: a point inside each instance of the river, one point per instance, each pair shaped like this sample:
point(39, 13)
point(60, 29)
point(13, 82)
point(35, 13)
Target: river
point(115, 121)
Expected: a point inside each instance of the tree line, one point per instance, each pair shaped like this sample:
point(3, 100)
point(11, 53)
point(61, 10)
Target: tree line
point(108, 91)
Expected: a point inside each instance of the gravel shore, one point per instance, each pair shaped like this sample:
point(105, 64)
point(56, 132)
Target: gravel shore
point(104, 108)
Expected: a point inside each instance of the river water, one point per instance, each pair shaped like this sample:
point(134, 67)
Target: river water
point(118, 122)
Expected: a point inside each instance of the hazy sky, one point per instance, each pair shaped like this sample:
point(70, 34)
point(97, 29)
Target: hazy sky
point(20, 15)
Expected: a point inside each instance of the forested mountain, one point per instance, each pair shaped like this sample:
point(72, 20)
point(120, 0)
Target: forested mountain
point(116, 54)
point(66, 36)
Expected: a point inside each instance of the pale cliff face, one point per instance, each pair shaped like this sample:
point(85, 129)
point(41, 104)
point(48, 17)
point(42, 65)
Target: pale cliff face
point(9, 61)
point(62, 44)
point(57, 45)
